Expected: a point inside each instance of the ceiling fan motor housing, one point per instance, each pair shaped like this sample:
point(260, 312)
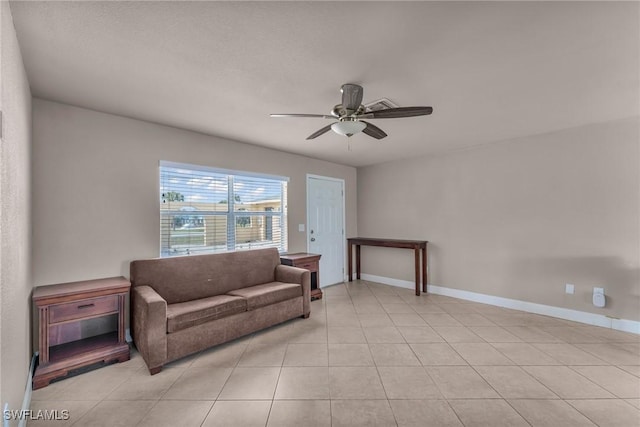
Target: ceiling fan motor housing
point(339, 111)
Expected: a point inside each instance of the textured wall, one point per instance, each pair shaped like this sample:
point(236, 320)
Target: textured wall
point(15, 217)
point(518, 219)
point(95, 187)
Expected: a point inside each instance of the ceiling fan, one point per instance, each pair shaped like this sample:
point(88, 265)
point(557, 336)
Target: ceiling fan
point(350, 114)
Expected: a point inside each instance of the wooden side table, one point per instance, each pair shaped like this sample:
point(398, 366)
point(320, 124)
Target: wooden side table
point(66, 312)
point(310, 262)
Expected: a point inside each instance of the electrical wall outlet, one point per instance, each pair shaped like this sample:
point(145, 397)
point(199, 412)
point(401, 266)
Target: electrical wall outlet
point(599, 300)
point(569, 288)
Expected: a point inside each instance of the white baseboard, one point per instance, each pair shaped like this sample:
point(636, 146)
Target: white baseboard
point(625, 325)
point(389, 281)
point(530, 307)
point(28, 391)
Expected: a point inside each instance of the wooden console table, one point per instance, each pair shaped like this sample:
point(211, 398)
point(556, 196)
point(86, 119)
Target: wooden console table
point(66, 312)
point(310, 262)
point(416, 245)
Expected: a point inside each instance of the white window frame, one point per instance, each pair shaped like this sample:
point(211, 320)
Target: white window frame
point(231, 214)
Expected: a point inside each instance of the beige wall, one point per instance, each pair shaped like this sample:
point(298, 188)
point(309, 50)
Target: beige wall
point(517, 219)
point(95, 187)
point(15, 220)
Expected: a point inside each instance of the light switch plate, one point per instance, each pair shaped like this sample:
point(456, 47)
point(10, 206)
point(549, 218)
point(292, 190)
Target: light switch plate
point(569, 288)
point(301, 227)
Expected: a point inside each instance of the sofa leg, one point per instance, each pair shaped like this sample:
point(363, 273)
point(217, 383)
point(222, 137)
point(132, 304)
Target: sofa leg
point(306, 316)
point(155, 370)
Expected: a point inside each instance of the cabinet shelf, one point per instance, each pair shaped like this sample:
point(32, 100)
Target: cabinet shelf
point(72, 349)
point(66, 312)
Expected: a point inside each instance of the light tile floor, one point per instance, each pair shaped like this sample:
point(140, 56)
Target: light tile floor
point(372, 354)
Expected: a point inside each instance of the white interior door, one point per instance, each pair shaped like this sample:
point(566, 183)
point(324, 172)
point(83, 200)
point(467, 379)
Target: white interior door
point(325, 232)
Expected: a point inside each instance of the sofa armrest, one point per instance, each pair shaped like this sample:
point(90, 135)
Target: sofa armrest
point(149, 315)
point(288, 274)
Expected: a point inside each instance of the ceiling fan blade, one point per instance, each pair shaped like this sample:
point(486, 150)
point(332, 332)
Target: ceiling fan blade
point(351, 96)
point(322, 116)
point(373, 130)
point(395, 113)
point(320, 132)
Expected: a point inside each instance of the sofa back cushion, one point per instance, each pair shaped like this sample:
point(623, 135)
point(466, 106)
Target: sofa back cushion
point(187, 278)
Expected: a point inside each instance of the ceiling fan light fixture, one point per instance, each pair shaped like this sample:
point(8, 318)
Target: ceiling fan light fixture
point(348, 127)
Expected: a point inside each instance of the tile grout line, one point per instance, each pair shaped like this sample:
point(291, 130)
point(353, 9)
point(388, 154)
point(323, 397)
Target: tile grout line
point(381, 382)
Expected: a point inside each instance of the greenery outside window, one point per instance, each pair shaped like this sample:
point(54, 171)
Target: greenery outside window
point(205, 210)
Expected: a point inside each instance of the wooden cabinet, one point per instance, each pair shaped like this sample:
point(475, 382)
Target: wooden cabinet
point(73, 318)
point(310, 262)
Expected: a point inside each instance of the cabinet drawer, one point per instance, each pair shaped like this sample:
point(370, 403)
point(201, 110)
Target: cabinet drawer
point(83, 308)
point(311, 266)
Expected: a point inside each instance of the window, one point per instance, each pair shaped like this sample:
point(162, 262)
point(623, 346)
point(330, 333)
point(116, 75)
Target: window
point(206, 210)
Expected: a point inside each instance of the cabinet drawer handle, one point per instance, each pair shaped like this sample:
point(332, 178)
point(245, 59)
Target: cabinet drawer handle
point(86, 305)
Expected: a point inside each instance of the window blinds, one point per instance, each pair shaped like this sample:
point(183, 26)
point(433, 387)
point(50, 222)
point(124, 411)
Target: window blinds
point(205, 210)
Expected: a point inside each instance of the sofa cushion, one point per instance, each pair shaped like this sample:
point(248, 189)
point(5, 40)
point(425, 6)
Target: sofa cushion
point(187, 278)
point(268, 293)
point(191, 313)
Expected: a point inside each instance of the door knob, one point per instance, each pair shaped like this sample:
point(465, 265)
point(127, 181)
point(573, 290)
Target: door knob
point(313, 239)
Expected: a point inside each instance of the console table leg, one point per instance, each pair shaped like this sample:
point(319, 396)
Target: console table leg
point(358, 262)
point(350, 262)
point(417, 268)
point(425, 277)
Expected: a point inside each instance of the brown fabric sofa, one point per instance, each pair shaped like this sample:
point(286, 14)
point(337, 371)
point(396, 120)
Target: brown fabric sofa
point(182, 305)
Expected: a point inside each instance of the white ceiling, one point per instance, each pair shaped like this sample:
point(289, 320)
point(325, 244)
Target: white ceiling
point(491, 71)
